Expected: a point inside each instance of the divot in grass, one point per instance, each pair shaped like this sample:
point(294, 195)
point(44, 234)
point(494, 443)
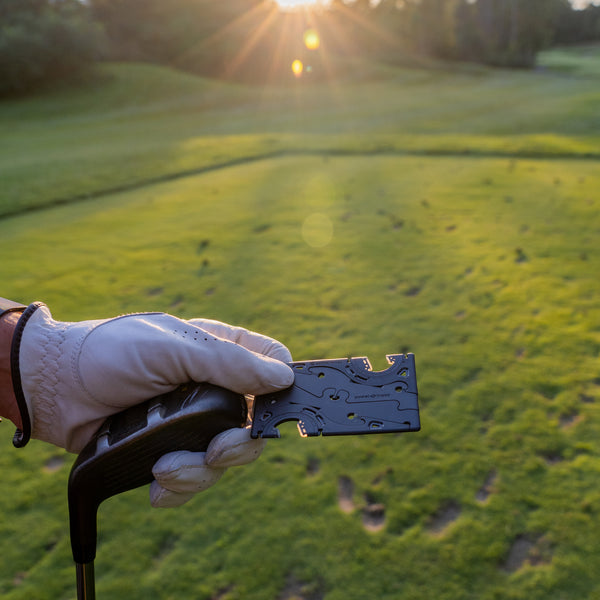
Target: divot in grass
point(345, 494)
point(381, 476)
point(373, 515)
point(167, 545)
point(223, 593)
point(414, 290)
point(313, 466)
point(552, 459)
point(298, 590)
point(487, 488)
point(570, 419)
point(444, 517)
point(202, 246)
point(177, 301)
point(527, 549)
point(520, 256)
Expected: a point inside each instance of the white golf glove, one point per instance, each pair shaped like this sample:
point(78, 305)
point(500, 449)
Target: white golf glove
point(74, 375)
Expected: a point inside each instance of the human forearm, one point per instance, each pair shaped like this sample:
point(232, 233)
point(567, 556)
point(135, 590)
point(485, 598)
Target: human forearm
point(8, 403)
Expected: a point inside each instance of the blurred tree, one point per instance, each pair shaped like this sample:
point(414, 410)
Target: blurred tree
point(434, 25)
point(577, 26)
point(157, 30)
point(506, 33)
point(12, 9)
point(43, 42)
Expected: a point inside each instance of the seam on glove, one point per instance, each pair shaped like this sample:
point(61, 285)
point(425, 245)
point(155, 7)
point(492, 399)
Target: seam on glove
point(74, 362)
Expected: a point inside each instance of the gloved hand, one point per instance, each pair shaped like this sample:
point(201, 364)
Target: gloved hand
point(74, 375)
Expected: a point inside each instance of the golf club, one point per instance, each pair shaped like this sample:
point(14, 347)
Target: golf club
point(121, 455)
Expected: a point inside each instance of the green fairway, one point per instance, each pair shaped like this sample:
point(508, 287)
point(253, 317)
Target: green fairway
point(143, 123)
point(455, 215)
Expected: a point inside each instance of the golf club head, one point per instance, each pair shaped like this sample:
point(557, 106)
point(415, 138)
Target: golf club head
point(121, 455)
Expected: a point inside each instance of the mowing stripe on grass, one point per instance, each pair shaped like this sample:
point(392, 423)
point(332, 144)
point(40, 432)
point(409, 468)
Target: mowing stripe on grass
point(339, 152)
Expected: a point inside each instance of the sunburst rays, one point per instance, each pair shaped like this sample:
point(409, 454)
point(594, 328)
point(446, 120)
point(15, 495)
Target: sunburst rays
point(264, 41)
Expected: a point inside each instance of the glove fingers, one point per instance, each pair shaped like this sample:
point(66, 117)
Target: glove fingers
point(232, 366)
point(179, 475)
point(162, 352)
point(256, 342)
point(160, 497)
point(233, 447)
point(185, 472)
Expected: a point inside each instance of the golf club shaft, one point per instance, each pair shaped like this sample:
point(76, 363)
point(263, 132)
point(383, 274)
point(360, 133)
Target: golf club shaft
point(85, 581)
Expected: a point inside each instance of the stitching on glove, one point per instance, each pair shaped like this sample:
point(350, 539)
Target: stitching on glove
point(46, 413)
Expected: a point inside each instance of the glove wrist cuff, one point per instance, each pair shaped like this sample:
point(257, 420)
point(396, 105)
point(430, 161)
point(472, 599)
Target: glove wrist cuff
point(22, 436)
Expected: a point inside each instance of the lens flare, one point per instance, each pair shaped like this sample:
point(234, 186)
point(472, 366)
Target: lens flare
point(317, 230)
point(311, 39)
point(297, 67)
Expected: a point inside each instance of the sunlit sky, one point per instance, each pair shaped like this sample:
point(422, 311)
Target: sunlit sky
point(583, 3)
point(288, 4)
point(298, 3)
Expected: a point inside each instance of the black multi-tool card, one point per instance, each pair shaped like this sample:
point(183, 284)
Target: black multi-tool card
point(343, 397)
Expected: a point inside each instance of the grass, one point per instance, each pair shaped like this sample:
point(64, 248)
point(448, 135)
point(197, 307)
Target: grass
point(484, 264)
point(578, 61)
point(143, 123)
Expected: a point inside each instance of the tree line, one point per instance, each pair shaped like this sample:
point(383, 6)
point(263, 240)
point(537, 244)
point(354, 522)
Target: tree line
point(43, 41)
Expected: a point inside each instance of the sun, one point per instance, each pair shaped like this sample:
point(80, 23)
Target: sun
point(292, 4)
